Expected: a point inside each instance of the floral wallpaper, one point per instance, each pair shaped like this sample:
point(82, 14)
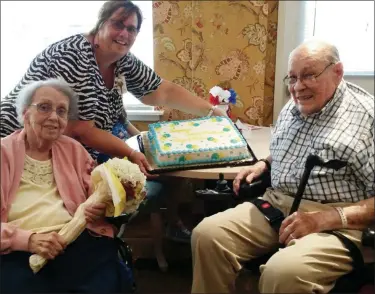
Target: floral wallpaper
point(200, 44)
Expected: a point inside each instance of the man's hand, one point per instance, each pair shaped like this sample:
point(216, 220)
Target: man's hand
point(298, 225)
point(249, 173)
point(140, 159)
point(94, 212)
point(47, 245)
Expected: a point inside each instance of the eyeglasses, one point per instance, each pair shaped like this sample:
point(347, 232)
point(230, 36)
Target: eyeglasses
point(307, 80)
point(119, 26)
point(47, 109)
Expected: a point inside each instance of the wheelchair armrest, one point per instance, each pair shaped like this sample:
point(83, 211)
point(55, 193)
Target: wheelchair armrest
point(125, 218)
point(368, 238)
point(256, 188)
point(120, 220)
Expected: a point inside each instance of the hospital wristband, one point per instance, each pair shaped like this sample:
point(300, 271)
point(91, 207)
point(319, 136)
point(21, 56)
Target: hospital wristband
point(344, 220)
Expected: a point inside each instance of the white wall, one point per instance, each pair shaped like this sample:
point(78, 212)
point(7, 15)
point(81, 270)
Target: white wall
point(366, 82)
point(290, 35)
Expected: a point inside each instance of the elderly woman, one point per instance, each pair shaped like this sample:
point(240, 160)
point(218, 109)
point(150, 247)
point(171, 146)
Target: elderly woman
point(45, 176)
point(100, 69)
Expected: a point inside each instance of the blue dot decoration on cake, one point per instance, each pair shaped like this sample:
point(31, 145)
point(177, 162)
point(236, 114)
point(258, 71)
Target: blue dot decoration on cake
point(226, 129)
point(234, 141)
point(189, 146)
point(217, 119)
point(215, 156)
point(166, 135)
point(176, 123)
point(167, 146)
point(157, 125)
point(182, 159)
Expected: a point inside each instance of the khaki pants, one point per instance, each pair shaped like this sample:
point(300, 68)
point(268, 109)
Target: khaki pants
point(222, 242)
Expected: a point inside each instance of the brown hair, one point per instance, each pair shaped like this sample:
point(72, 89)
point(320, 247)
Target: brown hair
point(110, 7)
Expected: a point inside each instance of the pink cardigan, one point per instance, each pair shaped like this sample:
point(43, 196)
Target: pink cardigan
point(71, 168)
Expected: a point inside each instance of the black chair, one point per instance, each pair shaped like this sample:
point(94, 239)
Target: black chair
point(124, 250)
point(350, 283)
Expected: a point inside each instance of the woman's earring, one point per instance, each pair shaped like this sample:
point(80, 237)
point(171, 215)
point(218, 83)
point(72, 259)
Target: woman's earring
point(96, 46)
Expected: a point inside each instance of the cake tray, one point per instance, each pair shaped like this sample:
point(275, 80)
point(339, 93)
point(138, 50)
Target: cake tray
point(144, 147)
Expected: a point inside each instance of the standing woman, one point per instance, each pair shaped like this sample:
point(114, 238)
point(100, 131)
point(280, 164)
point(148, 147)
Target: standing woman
point(100, 69)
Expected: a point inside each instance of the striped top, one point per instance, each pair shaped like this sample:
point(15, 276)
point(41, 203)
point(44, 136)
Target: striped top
point(343, 130)
point(73, 60)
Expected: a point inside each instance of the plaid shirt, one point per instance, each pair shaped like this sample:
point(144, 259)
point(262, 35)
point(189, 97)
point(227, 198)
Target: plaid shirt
point(344, 130)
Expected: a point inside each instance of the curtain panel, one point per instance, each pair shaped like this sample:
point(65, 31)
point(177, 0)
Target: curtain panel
point(200, 44)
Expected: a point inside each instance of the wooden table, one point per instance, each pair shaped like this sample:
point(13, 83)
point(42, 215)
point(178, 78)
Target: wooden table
point(258, 140)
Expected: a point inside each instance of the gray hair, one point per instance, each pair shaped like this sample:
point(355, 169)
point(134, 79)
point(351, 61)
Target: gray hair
point(25, 96)
point(322, 50)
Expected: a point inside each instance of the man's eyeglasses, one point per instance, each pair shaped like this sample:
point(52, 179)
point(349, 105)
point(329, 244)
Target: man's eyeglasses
point(47, 109)
point(119, 26)
point(307, 80)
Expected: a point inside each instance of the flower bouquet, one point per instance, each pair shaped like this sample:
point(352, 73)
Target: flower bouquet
point(223, 98)
point(118, 183)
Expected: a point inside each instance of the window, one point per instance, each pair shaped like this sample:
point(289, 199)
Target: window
point(347, 24)
point(28, 27)
point(299, 20)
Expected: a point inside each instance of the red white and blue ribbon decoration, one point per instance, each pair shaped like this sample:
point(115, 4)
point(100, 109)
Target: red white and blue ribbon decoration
point(222, 96)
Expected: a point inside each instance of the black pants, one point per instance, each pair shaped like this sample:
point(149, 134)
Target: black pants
point(88, 265)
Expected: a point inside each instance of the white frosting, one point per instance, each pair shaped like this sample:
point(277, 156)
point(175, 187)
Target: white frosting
point(204, 140)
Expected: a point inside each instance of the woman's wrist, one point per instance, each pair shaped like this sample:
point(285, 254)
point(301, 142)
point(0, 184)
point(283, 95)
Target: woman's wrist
point(211, 111)
point(132, 153)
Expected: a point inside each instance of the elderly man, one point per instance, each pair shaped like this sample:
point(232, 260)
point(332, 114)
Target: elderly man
point(327, 117)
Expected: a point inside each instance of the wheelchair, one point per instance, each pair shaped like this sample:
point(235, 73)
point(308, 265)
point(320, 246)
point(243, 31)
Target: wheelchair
point(349, 283)
point(362, 275)
point(124, 250)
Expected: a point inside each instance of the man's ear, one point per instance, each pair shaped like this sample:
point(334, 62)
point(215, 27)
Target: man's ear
point(339, 70)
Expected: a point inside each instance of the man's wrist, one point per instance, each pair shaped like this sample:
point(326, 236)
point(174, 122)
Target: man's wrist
point(328, 220)
point(344, 220)
point(267, 164)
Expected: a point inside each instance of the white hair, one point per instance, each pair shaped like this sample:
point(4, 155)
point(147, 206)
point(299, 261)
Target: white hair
point(321, 48)
point(25, 96)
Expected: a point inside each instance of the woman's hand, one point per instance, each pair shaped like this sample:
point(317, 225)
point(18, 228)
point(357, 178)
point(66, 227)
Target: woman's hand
point(95, 212)
point(219, 112)
point(47, 245)
point(140, 159)
point(248, 173)
point(298, 225)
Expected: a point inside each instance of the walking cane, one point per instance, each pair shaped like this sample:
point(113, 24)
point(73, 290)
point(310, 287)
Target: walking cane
point(311, 162)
